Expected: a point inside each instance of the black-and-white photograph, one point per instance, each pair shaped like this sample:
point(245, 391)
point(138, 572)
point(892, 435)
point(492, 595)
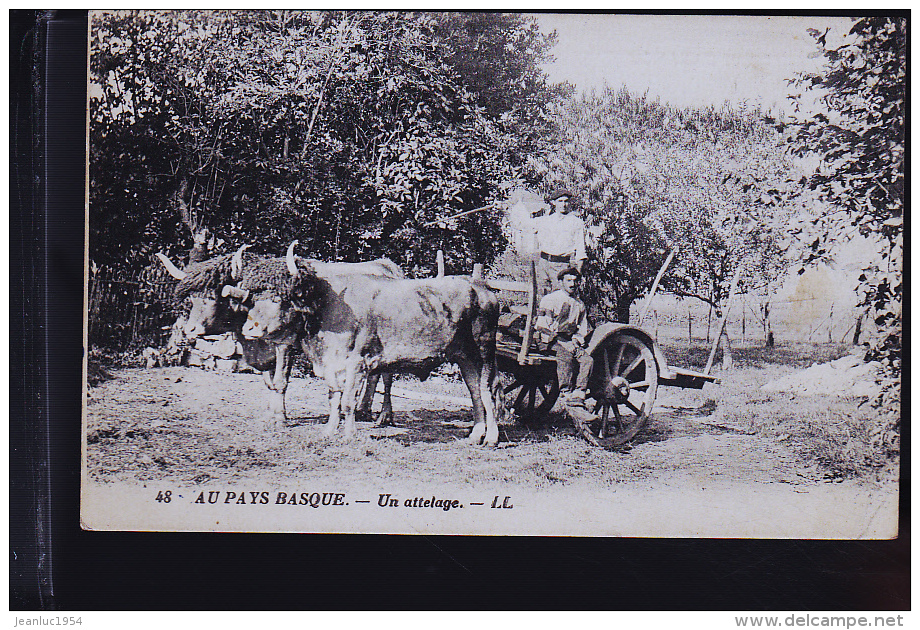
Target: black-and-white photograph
point(494, 273)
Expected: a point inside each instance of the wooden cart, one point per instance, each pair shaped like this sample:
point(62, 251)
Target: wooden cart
point(629, 367)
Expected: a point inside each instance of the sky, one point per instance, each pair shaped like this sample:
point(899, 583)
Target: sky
point(687, 60)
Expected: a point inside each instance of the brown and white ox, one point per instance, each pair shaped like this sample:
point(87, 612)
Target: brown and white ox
point(219, 306)
point(388, 326)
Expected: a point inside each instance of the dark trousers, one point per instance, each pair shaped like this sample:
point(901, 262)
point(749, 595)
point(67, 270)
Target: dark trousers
point(547, 272)
point(568, 353)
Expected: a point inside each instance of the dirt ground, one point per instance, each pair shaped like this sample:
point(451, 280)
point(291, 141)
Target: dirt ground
point(196, 427)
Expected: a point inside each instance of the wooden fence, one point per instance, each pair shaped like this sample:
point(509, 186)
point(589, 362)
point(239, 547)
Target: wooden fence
point(130, 309)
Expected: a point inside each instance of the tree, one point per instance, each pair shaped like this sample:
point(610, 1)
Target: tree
point(353, 132)
point(858, 142)
point(717, 202)
point(590, 150)
point(652, 177)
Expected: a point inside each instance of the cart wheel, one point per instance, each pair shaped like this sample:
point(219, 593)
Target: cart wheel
point(533, 391)
point(623, 383)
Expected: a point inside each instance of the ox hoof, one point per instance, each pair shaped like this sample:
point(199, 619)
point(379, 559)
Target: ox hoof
point(272, 423)
point(476, 435)
point(362, 415)
point(384, 419)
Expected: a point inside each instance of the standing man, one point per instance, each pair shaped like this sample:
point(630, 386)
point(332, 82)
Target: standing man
point(561, 240)
point(562, 323)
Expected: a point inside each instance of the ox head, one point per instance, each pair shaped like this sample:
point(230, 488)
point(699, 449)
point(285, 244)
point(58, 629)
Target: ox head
point(216, 307)
point(286, 296)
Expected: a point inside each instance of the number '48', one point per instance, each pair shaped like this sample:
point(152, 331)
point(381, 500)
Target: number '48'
point(164, 497)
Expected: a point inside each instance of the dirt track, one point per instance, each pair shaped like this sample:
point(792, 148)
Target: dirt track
point(203, 425)
point(195, 428)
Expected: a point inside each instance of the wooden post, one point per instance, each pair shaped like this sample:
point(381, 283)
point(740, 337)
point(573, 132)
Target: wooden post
point(531, 315)
point(709, 324)
point(858, 331)
point(724, 320)
point(743, 320)
point(689, 326)
point(651, 293)
point(477, 271)
point(440, 263)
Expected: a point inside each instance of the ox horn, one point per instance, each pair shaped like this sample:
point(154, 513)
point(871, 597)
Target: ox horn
point(235, 292)
point(292, 260)
point(174, 271)
point(236, 263)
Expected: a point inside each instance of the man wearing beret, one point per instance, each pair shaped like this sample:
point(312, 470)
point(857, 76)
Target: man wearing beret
point(562, 326)
point(561, 239)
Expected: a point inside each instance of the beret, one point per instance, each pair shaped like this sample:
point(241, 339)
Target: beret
point(569, 271)
point(560, 192)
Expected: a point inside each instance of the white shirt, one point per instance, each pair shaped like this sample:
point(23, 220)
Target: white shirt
point(562, 314)
point(561, 235)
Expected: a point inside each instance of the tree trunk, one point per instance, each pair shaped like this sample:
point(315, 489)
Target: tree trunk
point(743, 322)
point(727, 360)
point(767, 327)
point(709, 324)
point(184, 211)
point(622, 311)
point(201, 250)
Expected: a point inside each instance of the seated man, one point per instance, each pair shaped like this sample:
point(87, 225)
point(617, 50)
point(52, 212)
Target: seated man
point(562, 324)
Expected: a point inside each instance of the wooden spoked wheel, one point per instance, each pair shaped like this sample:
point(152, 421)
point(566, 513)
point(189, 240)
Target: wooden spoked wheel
point(623, 384)
point(532, 391)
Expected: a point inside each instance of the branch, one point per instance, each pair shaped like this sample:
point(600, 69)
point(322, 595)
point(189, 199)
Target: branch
point(319, 101)
point(684, 294)
point(187, 218)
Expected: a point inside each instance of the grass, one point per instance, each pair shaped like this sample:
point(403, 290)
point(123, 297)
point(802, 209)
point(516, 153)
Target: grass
point(840, 435)
point(791, 354)
point(843, 437)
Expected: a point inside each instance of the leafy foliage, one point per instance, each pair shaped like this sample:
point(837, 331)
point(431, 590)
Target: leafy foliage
point(651, 177)
point(353, 132)
point(714, 182)
point(858, 140)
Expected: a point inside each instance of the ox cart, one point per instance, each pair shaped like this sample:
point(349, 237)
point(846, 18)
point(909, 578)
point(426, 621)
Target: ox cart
point(629, 367)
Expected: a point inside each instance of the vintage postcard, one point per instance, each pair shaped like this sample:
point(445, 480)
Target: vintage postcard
point(494, 274)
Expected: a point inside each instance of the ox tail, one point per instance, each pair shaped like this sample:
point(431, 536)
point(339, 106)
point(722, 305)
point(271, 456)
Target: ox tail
point(492, 308)
point(491, 379)
point(492, 401)
point(498, 398)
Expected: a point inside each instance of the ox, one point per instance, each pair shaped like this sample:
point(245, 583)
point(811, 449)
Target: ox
point(217, 306)
point(387, 326)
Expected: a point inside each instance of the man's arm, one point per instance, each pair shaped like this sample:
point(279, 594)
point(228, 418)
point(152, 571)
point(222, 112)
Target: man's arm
point(584, 329)
point(581, 250)
point(545, 323)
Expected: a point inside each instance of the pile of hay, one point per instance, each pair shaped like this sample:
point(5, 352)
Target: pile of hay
point(847, 376)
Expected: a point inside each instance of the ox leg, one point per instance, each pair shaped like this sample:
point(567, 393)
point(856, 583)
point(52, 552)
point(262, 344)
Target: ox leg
point(277, 386)
point(367, 401)
point(488, 381)
point(332, 425)
point(471, 376)
point(354, 379)
point(386, 410)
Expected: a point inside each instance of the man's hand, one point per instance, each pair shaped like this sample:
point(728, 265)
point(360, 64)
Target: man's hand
point(546, 336)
